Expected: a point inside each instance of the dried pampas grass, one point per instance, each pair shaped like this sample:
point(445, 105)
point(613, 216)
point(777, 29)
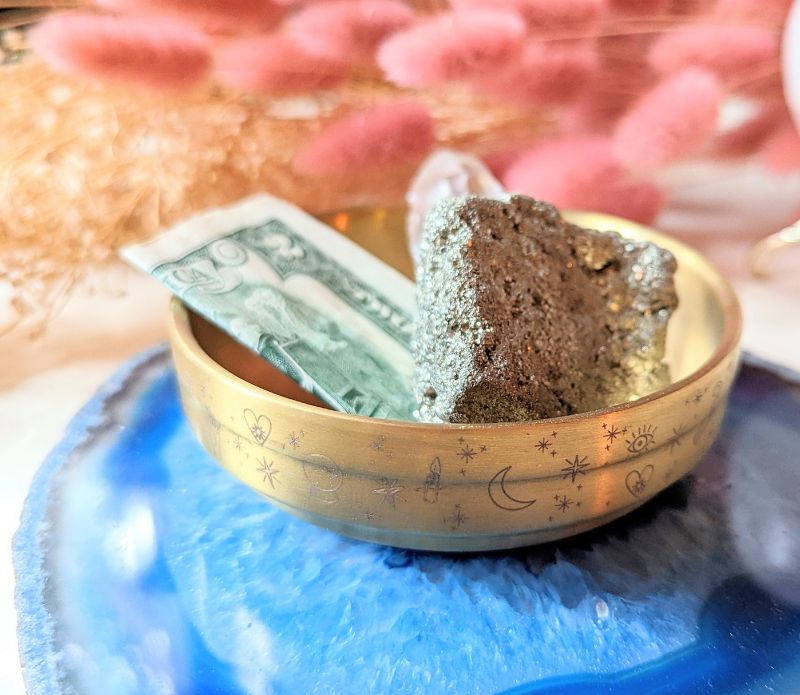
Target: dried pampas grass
point(86, 168)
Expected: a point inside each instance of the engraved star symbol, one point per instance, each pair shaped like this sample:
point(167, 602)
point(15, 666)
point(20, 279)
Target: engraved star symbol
point(293, 440)
point(611, 433)
point(378, 443)
point(457, 518)
point(554, 434)
point(483, 448)
point(269, 473)
point(467, 453)
point(575, 468)
point(543, 444)
point(237, 443)
point(463, 472)
point(553, 453)
point(563, 503)
point(580, 486)
point(389, 490)
point(677, 437)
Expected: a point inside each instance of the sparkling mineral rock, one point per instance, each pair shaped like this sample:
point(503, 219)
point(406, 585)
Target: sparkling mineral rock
point(525, 316)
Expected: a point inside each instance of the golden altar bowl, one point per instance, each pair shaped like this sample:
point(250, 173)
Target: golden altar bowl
point(454, 487)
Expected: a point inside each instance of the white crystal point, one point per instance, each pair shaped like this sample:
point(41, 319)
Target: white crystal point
point(445, 174)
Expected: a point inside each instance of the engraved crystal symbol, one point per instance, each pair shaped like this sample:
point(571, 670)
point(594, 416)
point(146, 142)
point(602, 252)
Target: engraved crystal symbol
point(430, 491)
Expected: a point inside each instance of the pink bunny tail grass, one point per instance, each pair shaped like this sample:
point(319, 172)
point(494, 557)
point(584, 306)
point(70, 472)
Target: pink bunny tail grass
point(621, 76)
point(348, 30)
point(214, 16)
point(730, 52)
point(451, 46)
point(545, 15)
point(675, 118)
point(275, 64)
point(582, 174)
point(639, 8)
point(159, 54)
point(386, 135)
point(544, 74)
point(748, 137)
point(781, 152)
point(756, 11)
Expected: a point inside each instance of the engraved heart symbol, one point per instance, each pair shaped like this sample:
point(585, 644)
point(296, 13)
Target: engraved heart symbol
point(636, 481)
point(259, 425)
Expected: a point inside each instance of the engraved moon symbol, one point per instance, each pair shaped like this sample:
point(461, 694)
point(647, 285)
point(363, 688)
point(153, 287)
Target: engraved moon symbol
point(501, 498)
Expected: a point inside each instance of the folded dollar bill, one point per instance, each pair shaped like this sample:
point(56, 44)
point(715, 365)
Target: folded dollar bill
point(317, 306)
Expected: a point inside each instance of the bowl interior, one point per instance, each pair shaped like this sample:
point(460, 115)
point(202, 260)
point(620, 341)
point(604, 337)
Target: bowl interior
point(696, 330)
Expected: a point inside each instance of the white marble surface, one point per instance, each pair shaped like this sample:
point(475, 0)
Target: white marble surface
point(43, 382)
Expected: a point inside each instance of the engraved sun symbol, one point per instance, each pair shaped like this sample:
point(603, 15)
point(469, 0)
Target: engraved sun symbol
point(574, 468)
point(293, 440)
point(677, 437)
point(467, 453)
point(269, 473)
point(457, 518)
point(642, 440)
point(563, 503)
point(543, 444)
point(389, 490)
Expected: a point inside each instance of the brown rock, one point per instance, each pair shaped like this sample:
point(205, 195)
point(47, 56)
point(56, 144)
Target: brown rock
point(524, 316)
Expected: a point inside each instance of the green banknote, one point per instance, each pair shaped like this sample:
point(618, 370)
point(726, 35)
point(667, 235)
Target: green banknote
point(325, 312)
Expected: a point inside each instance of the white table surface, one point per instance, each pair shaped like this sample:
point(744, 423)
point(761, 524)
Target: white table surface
point(44, 382)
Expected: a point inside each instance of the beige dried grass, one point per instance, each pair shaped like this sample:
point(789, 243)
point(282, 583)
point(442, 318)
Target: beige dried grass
point(86, 168)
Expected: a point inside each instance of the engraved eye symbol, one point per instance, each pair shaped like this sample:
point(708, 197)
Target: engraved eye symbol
point(642, 440)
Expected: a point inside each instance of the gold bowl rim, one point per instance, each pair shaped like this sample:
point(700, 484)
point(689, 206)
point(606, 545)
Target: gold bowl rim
point(180, 330)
